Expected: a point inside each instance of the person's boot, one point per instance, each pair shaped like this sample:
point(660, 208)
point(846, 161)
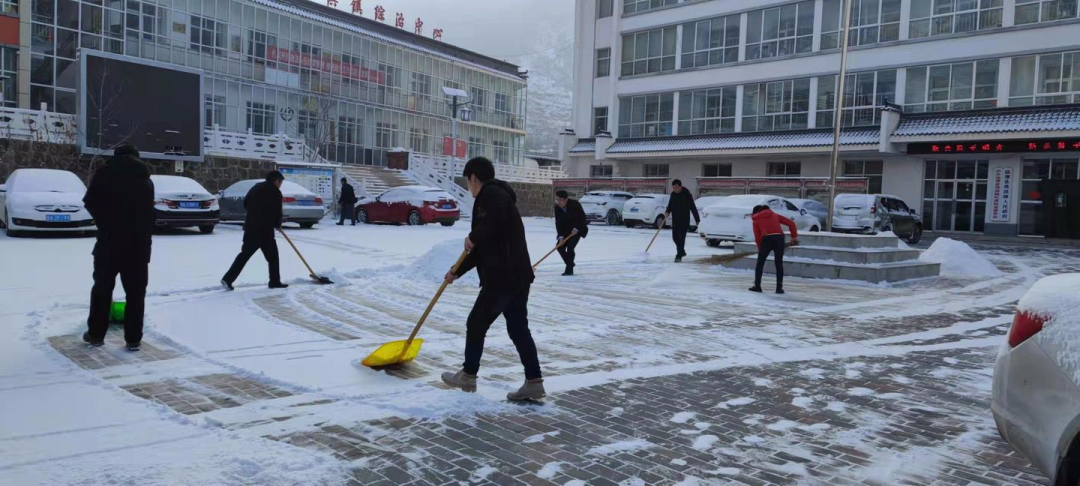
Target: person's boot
point(88, 340)
point(461, 380)
point(133, 347)
point(780, 290)
point(340, 224)
point(531, 390)
point(278, 285)
point(225, 284)
point(756, 288)
point(569, 272)
point(678, 259)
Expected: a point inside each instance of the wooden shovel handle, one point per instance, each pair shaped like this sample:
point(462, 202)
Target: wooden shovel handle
point(312, 272)
point(657, 233)
point(560, 245)
point(431, 304)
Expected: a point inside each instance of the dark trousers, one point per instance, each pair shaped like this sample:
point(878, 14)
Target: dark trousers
point(678, 234)
point(775, 245)
point(134, 275)
point(567, 252)
point(269, 250)
point(347, 210)
point(513, 305)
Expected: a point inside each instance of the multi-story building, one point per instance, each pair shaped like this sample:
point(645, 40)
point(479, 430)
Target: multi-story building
point(276, 67)
point(966, 109)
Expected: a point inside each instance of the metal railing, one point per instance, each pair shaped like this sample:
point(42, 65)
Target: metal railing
point(506, 172)
point(425, 170)
point(37, 126)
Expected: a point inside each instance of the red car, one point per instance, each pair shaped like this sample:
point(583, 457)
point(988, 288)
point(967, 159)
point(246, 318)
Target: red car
point(412, 205)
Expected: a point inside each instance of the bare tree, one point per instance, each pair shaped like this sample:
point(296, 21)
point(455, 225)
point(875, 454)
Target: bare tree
point(318, 127)
point(104, 105)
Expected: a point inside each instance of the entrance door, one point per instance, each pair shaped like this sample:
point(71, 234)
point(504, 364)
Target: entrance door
point(1061, 208)
point(954, 195)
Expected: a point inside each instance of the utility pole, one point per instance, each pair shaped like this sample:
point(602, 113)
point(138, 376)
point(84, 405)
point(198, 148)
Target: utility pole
point(838, 117)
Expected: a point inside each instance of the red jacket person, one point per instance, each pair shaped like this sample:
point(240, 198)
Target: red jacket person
point(770, 239)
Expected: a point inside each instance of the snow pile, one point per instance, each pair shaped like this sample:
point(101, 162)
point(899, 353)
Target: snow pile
point(434, 264)
point(957, 258)
point(1055, 299)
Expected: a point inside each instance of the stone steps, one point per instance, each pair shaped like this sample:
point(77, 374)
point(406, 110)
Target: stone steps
point(377, 180)
point(857, 256)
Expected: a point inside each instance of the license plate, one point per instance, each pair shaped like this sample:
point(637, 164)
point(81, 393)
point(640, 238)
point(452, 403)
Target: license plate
point(190, 204)
point(58, 218)
point(633, 210)
point(448, 206)
point(305, 203)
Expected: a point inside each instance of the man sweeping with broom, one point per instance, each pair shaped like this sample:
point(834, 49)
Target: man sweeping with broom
point(498, 252)
point(680, 206)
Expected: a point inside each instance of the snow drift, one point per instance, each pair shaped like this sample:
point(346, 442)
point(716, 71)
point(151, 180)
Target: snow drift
point(1056, 298)
point(957, 258)
point(434, 264)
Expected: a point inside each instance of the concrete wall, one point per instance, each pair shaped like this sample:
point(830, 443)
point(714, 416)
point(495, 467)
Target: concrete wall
point(532, 199)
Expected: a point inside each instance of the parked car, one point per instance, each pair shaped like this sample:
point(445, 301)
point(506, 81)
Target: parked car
point(706, 201)
point(605, 206)
point(876, 213)
point(816, 209)
point(180, 202)
point(645, 209)
point(1036, 390)
point(44, 200)
point(298, 204)
point(730, 219)
point(412, 205)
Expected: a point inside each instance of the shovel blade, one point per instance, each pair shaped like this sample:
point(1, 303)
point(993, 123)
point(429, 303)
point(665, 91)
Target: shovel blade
point(391, 354)
point(321, 280)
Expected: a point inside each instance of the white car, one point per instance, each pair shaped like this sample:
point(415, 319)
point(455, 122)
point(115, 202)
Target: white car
point(645, 209)
point(44, 200)
point(816, 209)
point(180, 202)
point(730, 219)
point(706, 201)
point(1036, 393)
point(298, 205)
point(605, 206)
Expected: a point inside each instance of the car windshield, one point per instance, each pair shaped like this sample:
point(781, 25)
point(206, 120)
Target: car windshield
point(240, 189)
point(854, 201)
point(176, 184)
point(593, 198)
point(295, 189)
point(740, 202)
point(644, 197)
point(48, 181)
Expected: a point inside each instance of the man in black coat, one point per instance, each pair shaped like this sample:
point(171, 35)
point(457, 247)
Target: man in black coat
point(263, 205)
point(569, 223)
point(347, 201)
point(679, 208)
point(121, 200)
point(498, 252)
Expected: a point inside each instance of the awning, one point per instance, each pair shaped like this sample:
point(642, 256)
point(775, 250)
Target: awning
point(1025, 121)
point(745, 141)
point(584, 146)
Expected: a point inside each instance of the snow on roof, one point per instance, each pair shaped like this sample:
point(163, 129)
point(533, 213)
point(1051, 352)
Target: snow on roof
point(584, 145)
point(989, 121)
point(742, 141)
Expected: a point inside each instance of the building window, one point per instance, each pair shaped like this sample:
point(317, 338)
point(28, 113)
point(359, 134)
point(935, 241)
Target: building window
point(603, 62)
point(205, 34)
point(502, 152)
point(780, 105)
point(939, 17)
point(604, 8)
point(947, 87)
point(954, 195)
point(784, 169)
point(780, 31)
point(710, 42)
point(1049, 79)
point(1031, 204)
point(476, 147)
point(864, 95)
point(261, 118)
point(869, 169)
point(872, 21)
point(420, 84)
point(648, 52)
point(707, 111)
point(1031, 11)
point(601, 170)
point(716, 170)
point(631, 6)
point(600, 116)
point(656, 170)
point(646, 116)
point(9, 70)
point(478, 96)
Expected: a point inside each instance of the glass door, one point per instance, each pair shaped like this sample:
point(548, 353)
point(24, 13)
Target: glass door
point(954, 195)
point(1031, 204)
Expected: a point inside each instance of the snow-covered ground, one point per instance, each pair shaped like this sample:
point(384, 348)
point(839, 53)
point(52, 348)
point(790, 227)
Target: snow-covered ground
point(68, 417)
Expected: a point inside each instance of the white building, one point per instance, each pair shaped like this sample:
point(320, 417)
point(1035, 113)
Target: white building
point(980, 130)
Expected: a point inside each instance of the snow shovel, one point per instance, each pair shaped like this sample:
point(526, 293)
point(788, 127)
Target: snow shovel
point(560, 245)
point(658, 230)
point(397, 352)
point(321, 280)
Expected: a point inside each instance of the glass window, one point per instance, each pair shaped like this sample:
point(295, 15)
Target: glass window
point(631, 6)
point(864, 95)
point(869, 169)
point(710, 42)
point(707, 111)
point(1031, 11)
point(784, 169)
point(656, 170)
point(954, 195)
point(601, 170)
point(780, 31)
point(716, 170)
point(780, 105)
point(872, 21)
point(947, 87)
point(603, 62)
point(646, 116)
point(1048, 79)
point(600, 120)
point(649, 52)
point(604, 8)
point(939, 17)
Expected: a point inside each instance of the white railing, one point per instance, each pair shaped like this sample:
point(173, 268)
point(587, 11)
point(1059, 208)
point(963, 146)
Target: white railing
point(252, 146)
point(506, 172)
point(425, 170)
point(37, 126)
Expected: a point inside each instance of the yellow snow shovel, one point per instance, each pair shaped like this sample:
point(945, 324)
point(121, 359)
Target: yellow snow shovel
point(560, 245)
point(658, 230)
point(397, 352)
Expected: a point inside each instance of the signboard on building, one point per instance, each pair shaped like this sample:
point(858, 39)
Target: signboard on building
point(996, 147)
point(319, 181)
point(1001, 195)
point(776, 183)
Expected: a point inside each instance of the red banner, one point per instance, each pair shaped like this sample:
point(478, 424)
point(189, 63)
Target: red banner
point(324, 64)
point(796, 183)
point(447, 146)
point(569, 182)
point(645, 183)
point(462, 148)
point(721, 182)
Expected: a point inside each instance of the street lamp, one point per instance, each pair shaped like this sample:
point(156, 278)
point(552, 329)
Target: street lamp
point(838, 117)
point(455, 106)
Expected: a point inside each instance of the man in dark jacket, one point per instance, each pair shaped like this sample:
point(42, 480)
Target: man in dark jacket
point(498, 252)
point(121, 200)
point(263, 205)
point(347, 201)
point(569, 223)
point(679, 208)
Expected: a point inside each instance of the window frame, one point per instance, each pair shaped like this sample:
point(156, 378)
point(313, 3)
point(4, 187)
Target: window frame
point(718, 168)
point(656, 170)
point(1040, 8)
point(605, 8)
point(787, 171)
point(983, 17)
point(1038, 81)
point(973, 102)
point(649, 63)
point(597, 117)
point(799, 42)
point(727, 51)
point(752, 118)
point(860, 30)
point(645, 5)
point(855, 103)
point(603, 63)
point(690, 107)
point(661, 126)
point(604, 170)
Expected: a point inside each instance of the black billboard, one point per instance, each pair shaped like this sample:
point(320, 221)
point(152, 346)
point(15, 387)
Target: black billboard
point(156, 107)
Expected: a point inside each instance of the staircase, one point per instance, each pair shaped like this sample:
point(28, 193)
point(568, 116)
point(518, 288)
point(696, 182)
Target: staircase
point(375, 180)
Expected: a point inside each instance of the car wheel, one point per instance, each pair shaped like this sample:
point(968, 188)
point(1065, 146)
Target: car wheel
point(307, 225)
point(361, 216)
point(814, 229)
point(206, 229)
point(712, 243)
point(659, 223)
point(414, 218)
point(916, 235)
point(613, 218)
point(447, 223)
